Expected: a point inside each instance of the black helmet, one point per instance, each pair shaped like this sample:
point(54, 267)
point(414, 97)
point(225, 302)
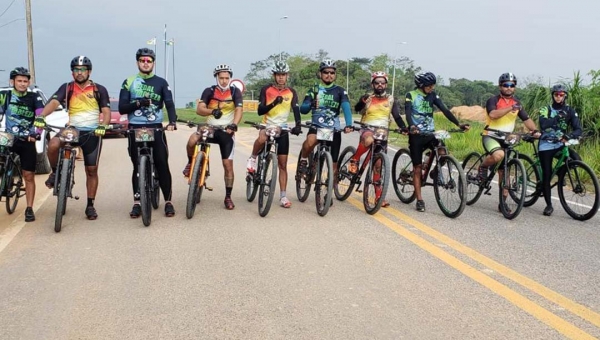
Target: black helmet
point(509, 76)
point(558, 88)
point(20, 71)
point(425, 79)
point(327, 63)
point(81, 61)
point(145, 52)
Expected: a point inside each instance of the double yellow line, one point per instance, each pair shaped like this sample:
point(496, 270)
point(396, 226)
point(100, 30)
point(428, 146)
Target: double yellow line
point(561, 325)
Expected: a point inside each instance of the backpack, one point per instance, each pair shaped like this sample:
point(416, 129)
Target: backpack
point(212, 88)
point(70, 88)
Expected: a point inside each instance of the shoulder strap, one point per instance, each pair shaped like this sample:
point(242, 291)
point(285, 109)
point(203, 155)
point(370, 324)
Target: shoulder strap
point(69, 89)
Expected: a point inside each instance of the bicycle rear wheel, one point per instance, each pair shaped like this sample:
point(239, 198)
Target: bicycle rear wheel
point(470, 167)
point(155, 191)
point(402, 176)
point(63, 189)
point(267, 184)
point(534, 181)
point(450, 186)
point(253, 180)
point(324, 184)
point(578, 190)
point(304, 181)
point(345, 182)
point(144, 178)
point(514, 182)
point(376, 184)
point(12, 189)
point(194, 189)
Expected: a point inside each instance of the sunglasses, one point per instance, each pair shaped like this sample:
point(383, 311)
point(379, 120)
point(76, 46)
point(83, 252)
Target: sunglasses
point(509, 85)
point(379, 82)
point(328, 72)
point(559, 94)
point(79, 69)
point(145, 61)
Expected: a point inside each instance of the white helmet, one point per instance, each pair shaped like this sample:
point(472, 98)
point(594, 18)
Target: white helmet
point(222, 68)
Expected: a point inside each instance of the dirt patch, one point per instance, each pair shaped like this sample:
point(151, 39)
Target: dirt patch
point(472, 113)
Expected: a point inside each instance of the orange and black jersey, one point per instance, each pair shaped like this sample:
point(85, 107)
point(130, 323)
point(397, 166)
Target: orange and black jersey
point(376, 110)
point(507, 122)
point(226, 101)
point(278, 114)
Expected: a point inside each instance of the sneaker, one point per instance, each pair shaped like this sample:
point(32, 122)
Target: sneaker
point(136, 211)
point(228, 203)
point(186, 170)
point(251, 164)
point(420, 205)
point(90, 213)
point(169, 210)
point(353, 166)
point(50, 181)
point(303, 167)
point(548, 210)
point(29, 215)
point(285, 202)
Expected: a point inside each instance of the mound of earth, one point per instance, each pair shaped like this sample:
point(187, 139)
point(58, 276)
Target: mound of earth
point(472, 113)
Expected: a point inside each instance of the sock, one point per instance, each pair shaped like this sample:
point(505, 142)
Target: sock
point(190, 159)
point(359, 152)
point(282, 194)
point(90, 202)
point(228, 191)
point(54, 170)
point(378, 188)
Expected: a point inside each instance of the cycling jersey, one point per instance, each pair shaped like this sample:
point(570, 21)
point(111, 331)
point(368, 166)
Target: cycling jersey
point(505, 123)
point(21, 110)
point(419, 110)
point(330, 99)
point(226, 101)
point(150, 86)
point(554, 127)
point(377, 110)
point(279, 114)
point(83, 107)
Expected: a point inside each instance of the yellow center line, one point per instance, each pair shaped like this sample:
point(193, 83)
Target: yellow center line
point(561, 325)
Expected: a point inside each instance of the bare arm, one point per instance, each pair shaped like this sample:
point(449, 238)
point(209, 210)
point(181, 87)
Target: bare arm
point(52, 105)
point(202, 110)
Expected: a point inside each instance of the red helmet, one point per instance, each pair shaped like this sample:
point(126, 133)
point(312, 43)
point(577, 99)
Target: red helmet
point(379, 74)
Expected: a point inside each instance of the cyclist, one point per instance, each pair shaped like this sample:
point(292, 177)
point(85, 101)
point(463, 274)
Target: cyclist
point(20, 108)
point(83, 99)
point(502, 112)
point(222, 104)
point(325, 101)
point(282, 100)
point(419, 115)
point(375, 109)
point(555, 120)
point(142, 98)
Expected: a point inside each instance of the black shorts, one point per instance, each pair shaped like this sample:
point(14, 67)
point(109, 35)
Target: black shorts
point(335, 144)
point(27, 154)
point(226, 143)
point(283, 144)
point(417, 144)
point(91, 145)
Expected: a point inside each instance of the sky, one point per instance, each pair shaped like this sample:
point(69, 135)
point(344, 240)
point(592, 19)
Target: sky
point(473, 39)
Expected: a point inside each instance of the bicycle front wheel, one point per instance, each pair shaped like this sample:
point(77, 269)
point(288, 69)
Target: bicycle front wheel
point(578, 190)
point(194, 187)
point(376, 183)
point(450, 186)
point(63, 189)
point(267, 184)
point(402, 176)
point(252, 181)
point(324, 183)
point(145, 186)
point(512, 189)
point(12, 189)
point(470, 167)
point(345, 179)
point(534, 180)
point(304, 180)
point(155, 191)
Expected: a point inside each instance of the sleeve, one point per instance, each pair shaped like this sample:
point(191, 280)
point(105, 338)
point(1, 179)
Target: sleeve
point(104, 97)
point(306, 104)
point(296, 107)
point(263, 108)
point(545, 121)
point(408, 109)
point(396, 114)
point(3, 98)
point(576, 129)
point(38, 105)
point(347, 111)
point(360, 105)
point(238, 100)
point(60, 94)
point(440, 105)
point(125, 104)
point(167, 96)
point(491, 103)
point(206, 95)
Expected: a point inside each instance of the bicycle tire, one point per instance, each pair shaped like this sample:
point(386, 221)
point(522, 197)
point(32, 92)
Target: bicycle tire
point(470, 167)
point(402, 176)
point(145, 192)
point(63, 189)
point(268, 183)
point(515, 173)
point(12, 189)
point(252, 182)
point(323, 199)
point(345, 180)
point(450, 182)
point(304, 181)
point(194, 188)
point(155, 192)
point(534, 180)
point(577, 184)
point(371, 201)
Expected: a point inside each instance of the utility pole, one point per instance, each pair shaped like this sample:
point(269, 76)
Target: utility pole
point(30, 40)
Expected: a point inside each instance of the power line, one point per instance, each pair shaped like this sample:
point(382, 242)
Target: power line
point(10, 22)
point(7, 8)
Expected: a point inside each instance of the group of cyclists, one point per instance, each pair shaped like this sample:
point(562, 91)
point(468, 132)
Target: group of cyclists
point(144, 98)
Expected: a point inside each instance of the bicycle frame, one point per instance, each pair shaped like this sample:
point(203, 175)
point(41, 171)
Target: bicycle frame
point(509, 153)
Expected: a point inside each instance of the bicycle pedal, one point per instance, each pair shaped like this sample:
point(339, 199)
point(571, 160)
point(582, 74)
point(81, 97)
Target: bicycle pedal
point(208, 188)
point(76, 197)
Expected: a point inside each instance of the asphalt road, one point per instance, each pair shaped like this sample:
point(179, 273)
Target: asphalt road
point(399, 274)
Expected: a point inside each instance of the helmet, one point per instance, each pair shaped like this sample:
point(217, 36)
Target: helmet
point(280, 67)
point(425, 79)
point(558, 88)
point(81, 61)
point(327, 63)
point(20, 71)
point(507, 77)
point(223, 68)
point(145, 52)
point(379, 74)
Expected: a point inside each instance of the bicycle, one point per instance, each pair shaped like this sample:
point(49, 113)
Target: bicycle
point(11, 175)
point(320, 170)
point(264, 178)
point(377, 164)
point(513, 182)
point(449, 181)
point(200, 166)
point(571, 173)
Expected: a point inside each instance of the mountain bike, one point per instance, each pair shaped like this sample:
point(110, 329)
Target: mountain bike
point(11, 175)
point(513, 182)
point(577, 184)
point(264, 178)
point(448, 178)
point(320, 170)
point(377, 164)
